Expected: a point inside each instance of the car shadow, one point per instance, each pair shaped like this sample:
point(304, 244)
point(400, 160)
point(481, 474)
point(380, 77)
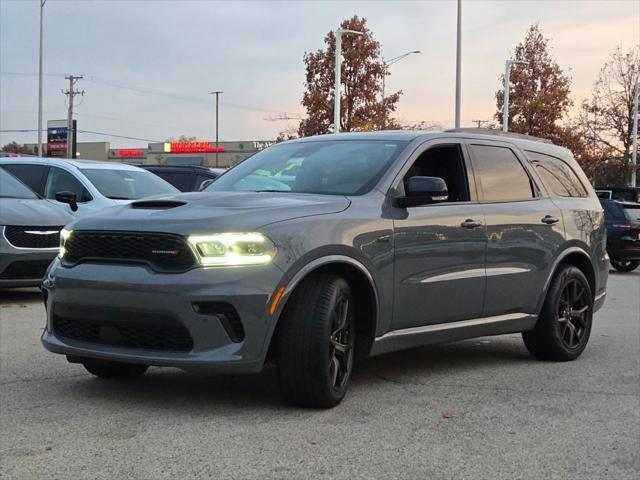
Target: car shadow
point(19, 296)
point(175, 390)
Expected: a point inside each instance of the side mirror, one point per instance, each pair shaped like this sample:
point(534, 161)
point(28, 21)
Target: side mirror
point(423, 191)
point(205, 184)
point(69, 198)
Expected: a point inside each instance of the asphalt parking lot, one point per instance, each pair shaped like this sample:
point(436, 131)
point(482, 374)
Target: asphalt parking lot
point(475, 409)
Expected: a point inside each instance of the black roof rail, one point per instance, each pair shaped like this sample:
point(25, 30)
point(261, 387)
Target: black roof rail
point(499, 133)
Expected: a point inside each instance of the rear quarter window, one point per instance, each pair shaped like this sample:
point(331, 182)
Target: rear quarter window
point(557, 175)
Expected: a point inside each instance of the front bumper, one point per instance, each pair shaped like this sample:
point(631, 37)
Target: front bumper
point(23, 267)
point(121, 292)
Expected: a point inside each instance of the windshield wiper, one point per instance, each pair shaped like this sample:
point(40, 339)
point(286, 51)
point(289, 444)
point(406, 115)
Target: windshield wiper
point(120, 198)
point(271, 191)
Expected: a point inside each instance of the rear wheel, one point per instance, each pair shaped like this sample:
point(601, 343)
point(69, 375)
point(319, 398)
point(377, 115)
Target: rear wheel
point(625, 265)
point(564, 325)
point(114, 370)
point(315, 344)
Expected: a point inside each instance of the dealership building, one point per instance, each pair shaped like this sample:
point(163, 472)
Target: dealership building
point(204, 153)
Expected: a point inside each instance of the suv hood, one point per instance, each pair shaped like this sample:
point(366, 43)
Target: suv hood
point(32, 212)
point(210, 212)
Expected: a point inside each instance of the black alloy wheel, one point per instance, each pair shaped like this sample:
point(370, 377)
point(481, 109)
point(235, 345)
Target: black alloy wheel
point(573, 308)
point(315, 342)
point(341, 343)
point(564, 324)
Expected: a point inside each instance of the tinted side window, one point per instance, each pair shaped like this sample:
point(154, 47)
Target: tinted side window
point(60, 180)
point(557, 176)
point(501, 174)
point(30, 175)
point(181, 180)
point(200, 179)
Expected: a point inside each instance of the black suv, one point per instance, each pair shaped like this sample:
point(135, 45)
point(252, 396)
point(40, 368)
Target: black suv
point(623, 234)
point(186, 178)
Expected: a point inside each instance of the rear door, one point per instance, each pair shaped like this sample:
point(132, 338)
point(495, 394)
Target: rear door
point(31, 174)
point(524, 228)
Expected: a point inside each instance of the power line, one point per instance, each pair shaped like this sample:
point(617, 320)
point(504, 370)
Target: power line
point(27, 130)
point(101, 81)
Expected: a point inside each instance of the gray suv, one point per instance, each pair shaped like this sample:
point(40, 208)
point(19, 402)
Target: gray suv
point(377, 242)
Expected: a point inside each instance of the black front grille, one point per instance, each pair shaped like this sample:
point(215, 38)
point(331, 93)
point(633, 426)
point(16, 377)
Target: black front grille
point(25, 270)
point(32, 237)
point(143, 330)
point(162, 252)
point(227, 315)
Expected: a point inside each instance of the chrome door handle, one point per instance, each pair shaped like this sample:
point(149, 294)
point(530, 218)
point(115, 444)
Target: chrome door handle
point(549, 220)
point(469, 223)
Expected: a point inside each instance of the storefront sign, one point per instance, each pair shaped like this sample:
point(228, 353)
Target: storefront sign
point(130, 152)
point(191, 147)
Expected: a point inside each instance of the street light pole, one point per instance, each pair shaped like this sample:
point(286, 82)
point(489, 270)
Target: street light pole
point(634, 133)
point(217, 94)
point(40, 149)
point(458, 63)
point(387, 64)
point(505, 103)
point(336, 100)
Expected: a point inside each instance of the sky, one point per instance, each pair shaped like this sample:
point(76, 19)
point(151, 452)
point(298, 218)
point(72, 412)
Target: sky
point(149, 65)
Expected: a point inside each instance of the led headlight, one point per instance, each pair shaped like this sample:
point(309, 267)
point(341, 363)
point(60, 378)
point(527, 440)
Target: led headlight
point(232, 249)
point(64, 235)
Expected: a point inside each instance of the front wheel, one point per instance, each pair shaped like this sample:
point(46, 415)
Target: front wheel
point(564, 325)
point(625, 265)
point(315, 344)
point(114, 370)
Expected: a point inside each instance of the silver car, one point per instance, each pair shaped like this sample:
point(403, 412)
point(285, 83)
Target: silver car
point(85, 186)
point(377, 242)
point(30, 233)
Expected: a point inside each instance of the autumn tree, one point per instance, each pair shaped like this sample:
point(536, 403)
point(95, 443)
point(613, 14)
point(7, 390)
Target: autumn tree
point(539, 94)
point(361, 107)
point(15, 147)
point(606, 118)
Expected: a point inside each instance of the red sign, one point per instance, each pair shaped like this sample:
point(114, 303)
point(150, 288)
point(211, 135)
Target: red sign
point(130, 152)
point(191, 147)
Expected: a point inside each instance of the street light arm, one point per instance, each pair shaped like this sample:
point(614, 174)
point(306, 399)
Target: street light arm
point(398, 58)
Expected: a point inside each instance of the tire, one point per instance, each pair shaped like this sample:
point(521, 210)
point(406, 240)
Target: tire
point(114, 370)
point(625, 265)
point(315, 342)
point(564, 325)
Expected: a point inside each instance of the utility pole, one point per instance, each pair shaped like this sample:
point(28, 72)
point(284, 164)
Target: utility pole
point(217, 94)
point(634, 134)
point(458, 63)
point(480, 122)
point(71, 93)
point(40, 150)
point(336, 90)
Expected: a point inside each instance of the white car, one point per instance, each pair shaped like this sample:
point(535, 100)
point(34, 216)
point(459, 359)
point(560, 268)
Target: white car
point(86, 185)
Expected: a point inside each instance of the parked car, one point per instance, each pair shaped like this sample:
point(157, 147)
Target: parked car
point(85, 185)
point(623, 234)
point(623, 194)
point(186, 178)
point(30, 233)
point(384, 241)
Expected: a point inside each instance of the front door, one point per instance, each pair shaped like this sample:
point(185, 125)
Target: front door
point(439, 248)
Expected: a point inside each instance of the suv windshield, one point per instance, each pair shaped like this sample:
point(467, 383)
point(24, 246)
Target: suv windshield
point(334, 167)
point(11, 187)
point(127, 184)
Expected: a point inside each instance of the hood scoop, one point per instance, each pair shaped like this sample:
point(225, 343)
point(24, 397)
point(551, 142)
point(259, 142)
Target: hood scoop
point(156, 204)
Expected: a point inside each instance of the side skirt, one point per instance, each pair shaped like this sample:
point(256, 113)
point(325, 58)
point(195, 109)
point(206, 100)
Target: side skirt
point(448, 332)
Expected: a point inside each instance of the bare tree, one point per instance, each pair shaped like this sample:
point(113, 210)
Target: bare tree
point(606, 117)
